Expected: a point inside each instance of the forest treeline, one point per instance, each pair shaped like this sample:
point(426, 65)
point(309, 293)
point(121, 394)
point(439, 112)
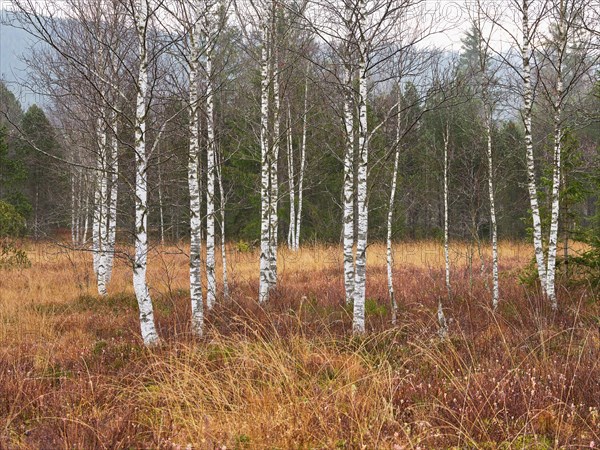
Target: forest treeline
point(297, 122)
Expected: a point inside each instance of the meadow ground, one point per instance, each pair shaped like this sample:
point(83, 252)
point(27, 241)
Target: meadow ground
point(73, 372)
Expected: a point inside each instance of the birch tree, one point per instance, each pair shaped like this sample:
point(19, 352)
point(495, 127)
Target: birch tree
point(533, 14)
point(569, 53)
point(100, 207)
point(193, 172)
point(363, 43)
point(142, 15)
point(113, 196)
point(485, 76)
point(266, 276)
point(349, 155)
point(390, 214)
point(360, 279)
point(526, 52)
point(291, 239)
point(223, 201)
point(302, 167)
point(560, 48)
point(276, 144)
point(80, 69)
point(446, 138)
point(209, 24)
point(529, 14)
point(296, 180)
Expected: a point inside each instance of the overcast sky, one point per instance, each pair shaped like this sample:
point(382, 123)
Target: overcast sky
point(450, 19)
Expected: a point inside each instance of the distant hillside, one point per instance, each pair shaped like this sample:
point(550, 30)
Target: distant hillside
point(14, 43)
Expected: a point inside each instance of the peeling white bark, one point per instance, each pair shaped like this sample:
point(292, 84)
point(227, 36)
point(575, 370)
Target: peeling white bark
point(148, 328)
point(161, 215)
point(96, 218)
point(211, 291)
point(446, 234)
point(390, 216)
point(291, 183)
point(74, 212)
point(265, 275)
point(86, 222)
point(112, 200)
point(100, 216)
point(194, 187)
point(360, 279)
point(527, 121)
point(274, 171)
point(348, 193)
point(222, 199)
point(302, 167)
point(557, 167)
point(495, 283)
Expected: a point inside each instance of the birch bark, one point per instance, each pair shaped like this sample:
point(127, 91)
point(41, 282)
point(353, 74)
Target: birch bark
point(74, 213)
point(223, 240)
point(556, 172)
point(148, 329)
point(86, 222)
point(161, 215)
point(274, 170)
point(446, 211)
point(390, 217)
point(265, 241)
point(348, 193)
point(527, 121)
point(101, 208)
point(495, 283)
point(211, 291)
point(193, 183)
point(363, 158)
point(302, 167)
point(291, 183)
point(113, 198)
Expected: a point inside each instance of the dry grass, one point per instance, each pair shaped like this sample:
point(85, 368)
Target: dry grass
point(73, 373)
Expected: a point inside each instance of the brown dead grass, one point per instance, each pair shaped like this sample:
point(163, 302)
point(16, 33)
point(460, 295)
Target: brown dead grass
point(73, 372)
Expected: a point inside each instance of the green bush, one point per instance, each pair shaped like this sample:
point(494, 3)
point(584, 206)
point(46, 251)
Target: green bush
point(243, 246)
point(12, 225)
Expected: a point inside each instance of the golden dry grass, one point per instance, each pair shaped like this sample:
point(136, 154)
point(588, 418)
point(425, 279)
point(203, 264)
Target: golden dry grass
point(73, 373)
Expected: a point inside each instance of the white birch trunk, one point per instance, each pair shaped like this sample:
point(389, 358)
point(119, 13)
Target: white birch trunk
point(348, 226)
point(495, 281)
point(96, 218)
point(74, 211)
point(101, 208)
point(390, 217)
point(360, 279)
point(148, 329)
point(86, 222)
point(555, 213)
point(194, 189)
point(274, 172)
point(265, 275)
point(443, 324)
point(527, 121)
point(161, 215)
point(557, 167)
point(223, 240)
point(112, 201)
point(446, 233)
point(291, 183)
point(211, 292)
point(79, 208)
point(302, 167)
